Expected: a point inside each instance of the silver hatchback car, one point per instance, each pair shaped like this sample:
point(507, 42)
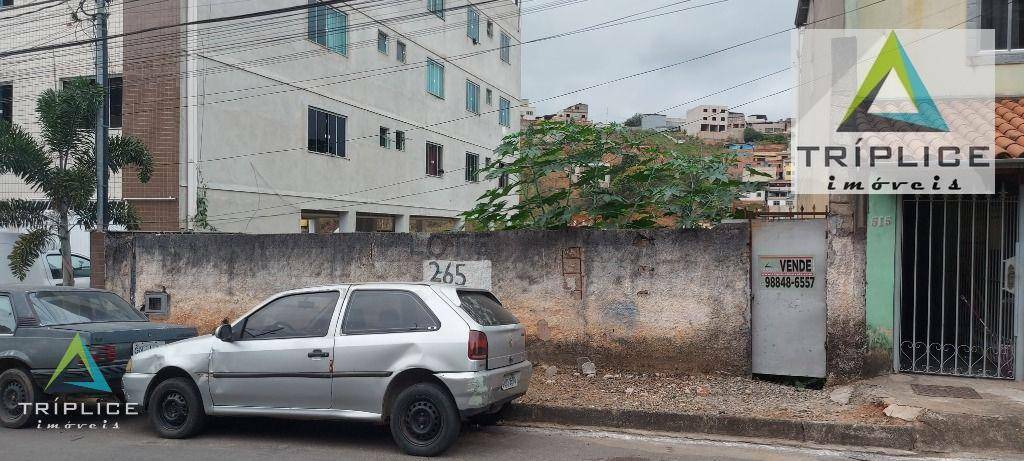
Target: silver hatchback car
point(419, 357)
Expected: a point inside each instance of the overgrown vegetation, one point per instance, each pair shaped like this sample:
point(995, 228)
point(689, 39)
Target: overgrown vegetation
point(633, 121)
point(752, 135)
point(63, 168)
point(568, 175)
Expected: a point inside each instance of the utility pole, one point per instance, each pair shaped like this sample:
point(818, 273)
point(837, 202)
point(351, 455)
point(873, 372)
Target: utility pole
point(103, 114)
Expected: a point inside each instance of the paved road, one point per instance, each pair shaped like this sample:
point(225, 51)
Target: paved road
point(257, 439)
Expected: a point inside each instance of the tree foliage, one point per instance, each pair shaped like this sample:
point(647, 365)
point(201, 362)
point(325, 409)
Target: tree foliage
point(61, 165)
point(634, 120)
point(564, 175)
point(752, 135)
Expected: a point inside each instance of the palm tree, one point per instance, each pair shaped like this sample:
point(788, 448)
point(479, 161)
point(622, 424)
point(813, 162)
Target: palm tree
point(63, 168)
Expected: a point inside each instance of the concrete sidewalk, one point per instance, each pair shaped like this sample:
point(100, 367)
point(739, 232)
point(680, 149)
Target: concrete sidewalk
point(990, 418)
point(974, 415)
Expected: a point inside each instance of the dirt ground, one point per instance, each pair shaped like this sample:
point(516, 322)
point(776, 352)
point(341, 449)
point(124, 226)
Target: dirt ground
point(708, 394)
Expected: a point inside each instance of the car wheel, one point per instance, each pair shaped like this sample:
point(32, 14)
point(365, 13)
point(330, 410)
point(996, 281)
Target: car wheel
point(16, 390)
point(176, 409)
point(425, 420)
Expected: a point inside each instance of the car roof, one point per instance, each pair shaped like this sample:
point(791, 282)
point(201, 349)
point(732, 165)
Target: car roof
point(371, 284)
point(26, 288)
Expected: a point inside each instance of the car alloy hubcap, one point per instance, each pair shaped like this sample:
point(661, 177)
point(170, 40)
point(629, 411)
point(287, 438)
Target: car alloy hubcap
point(174, 409)
point(422, 421)
point(13, 394)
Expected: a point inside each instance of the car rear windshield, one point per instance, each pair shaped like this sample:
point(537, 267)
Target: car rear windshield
point(485, 309)
point(68, 307)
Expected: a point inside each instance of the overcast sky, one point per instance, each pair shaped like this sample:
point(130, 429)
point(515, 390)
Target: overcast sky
point(564, 64)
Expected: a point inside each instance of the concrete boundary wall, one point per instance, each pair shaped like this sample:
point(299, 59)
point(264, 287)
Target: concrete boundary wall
point(671, 300)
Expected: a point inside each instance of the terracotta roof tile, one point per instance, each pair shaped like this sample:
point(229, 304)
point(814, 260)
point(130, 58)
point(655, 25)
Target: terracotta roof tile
point(1010, 127)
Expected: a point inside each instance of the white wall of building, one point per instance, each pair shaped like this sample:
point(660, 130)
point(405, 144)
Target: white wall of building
point(252, 113)
point(32, 74)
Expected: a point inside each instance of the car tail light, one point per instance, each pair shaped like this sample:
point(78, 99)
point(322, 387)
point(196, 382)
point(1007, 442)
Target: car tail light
point(103, 353)
point(477, 345)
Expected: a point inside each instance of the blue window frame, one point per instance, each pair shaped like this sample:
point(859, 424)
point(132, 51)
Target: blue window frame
point(506, 48)
point(328, 27)
point(382, 41)
point(473, 24)
point(472, 97)
point(435, 78)
point(400, 51)
point(504, 112)
point(436, 7)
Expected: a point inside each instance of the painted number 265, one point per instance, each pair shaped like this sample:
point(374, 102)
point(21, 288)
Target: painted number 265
point(457, 278)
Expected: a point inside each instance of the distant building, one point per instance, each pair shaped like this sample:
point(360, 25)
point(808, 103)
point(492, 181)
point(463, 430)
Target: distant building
point(778, 127)
point(773, 162)
point(656, 122)
point(708, 122)
point(528, 112)
point(676, 123)
point(576, 113)
point(736, 123)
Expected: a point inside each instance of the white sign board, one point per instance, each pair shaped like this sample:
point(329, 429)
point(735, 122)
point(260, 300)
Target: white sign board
point(468, 274)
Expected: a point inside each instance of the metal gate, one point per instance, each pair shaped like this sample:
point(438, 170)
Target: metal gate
point(957, 279)
point(787, 324)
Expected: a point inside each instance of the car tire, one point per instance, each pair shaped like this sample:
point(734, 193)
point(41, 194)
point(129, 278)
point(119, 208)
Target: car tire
point(16, 388)
point(176, 409)
point(425, 420)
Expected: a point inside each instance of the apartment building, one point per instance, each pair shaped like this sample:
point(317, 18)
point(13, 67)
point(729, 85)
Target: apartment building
point(325, 117)
point(708, 122)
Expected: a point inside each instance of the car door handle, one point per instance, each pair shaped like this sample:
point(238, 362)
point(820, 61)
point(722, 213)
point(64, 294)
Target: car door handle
point(318, 354)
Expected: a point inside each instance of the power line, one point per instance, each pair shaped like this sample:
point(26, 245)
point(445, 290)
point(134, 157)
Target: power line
point(642, 73)
point(250, 45)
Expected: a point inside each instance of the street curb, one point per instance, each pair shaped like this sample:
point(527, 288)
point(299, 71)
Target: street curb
point(826, 433)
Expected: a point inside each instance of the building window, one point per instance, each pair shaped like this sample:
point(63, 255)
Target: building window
point(7, 102)
point(115, 115)
point(435, 78)
point(400, 51)
point(385, 137)
point(472, 167)
point(490, 29)
point(506, 47)
point(6, 3)
point(328, 27)
point(490, 97)
point(326, 132)
point(503, 179)
point(382, 42)
point(399, 140)
point(472, 97)
point(435, 159)
point(504, 118)
point(1007, 18)
point(473, 24)
point(436, 7)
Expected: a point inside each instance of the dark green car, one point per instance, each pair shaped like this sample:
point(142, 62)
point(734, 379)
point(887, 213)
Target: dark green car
point(60, 341)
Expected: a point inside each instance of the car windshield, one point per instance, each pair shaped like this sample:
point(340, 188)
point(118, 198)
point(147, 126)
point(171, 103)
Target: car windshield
point(67, 307)
point(485, 309)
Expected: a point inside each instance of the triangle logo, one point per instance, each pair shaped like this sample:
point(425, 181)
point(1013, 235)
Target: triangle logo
point(892, 60)
point(78, 350)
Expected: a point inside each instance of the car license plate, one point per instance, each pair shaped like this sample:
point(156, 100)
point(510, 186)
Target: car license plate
point(511, 381)
point(138, 348)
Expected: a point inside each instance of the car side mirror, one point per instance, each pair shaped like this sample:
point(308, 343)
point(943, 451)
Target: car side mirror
point(224, 333)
